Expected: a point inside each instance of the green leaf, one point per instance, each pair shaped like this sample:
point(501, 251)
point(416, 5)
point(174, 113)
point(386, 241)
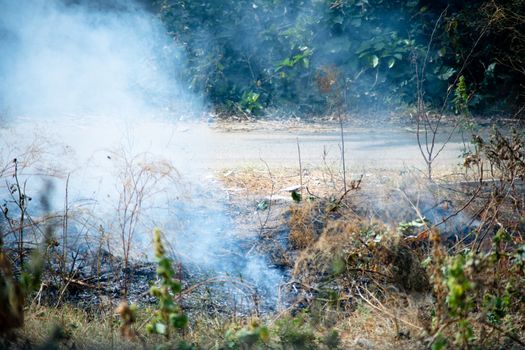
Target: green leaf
point(262, 205)
point(373, 60)
point(264, 334)
point(150, 328)
point(440, 343)
point(178, 320)
point(175, 287)
point(296, 196)
point(338, 266)
point(297, 58)
point(391, 62)
point(160, 328)
point(155, 291)
point(426, 262)
point(446, 73)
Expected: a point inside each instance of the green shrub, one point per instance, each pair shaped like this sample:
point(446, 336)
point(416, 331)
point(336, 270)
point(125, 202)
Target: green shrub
point(169, 314)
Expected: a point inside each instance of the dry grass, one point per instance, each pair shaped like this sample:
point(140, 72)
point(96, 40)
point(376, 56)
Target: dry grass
point(323, 182)
point(256, 181)
point(368, 327)
point(77, 329)
point(358, 249)
point(358, 278)
point(348, 272)
point(306, 223)
point(365, 328)
point(83, 330)
point(72, 328)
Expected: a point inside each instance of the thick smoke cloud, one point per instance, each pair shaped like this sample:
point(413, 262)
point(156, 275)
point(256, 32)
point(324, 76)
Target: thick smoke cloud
point(96, 73)
point(87, 58)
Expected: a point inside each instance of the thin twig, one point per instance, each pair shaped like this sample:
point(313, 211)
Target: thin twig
point(300, 167)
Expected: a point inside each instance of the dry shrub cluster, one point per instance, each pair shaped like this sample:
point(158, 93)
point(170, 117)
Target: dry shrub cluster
point(346, 252)
point(306, 224)
point(439, 291)
point(356, 282)
point(435, 293)
point(356, 276)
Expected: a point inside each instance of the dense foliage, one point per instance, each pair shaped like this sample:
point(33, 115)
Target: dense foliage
point(248, 55)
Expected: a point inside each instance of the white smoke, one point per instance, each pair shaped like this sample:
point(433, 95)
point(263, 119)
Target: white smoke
point(71, 59)
point(91, 77)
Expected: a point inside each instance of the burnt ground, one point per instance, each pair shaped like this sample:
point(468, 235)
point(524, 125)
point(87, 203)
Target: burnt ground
point(256, 165)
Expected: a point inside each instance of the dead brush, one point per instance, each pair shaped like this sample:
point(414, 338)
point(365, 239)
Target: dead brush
point(350, 257)
point(501, 199)
point(361, 278)
point(308, 219)
point(478, 296)
point(142, 179)
point(321, 257)
point(350, 253)
point(306, 224)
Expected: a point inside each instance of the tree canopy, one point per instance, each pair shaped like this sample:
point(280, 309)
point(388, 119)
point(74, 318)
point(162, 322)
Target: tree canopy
point(250, 55)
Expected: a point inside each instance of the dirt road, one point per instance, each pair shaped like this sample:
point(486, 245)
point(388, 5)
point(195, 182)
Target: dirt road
point(84, 147)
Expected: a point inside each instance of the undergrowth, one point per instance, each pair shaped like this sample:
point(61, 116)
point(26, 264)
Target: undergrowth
point(355, 282)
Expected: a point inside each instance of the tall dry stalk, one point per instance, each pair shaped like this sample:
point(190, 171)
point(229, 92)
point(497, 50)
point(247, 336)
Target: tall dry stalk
point(65, 228)
point(300, 168)
point(20, 200)
point(140, 181)
point(328, 83)
point(426, 126)
point(343, 158)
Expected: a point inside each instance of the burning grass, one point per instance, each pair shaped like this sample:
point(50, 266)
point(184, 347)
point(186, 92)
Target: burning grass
point(394, 262)
point(358, 252)
point(431, 292)
point(437, 264)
